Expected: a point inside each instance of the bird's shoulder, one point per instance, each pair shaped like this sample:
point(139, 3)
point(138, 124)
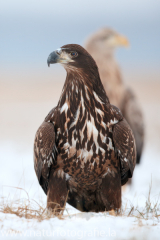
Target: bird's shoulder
point(52, 115)
point(115, 113)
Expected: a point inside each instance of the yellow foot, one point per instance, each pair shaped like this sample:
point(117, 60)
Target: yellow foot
point(124, 187)
point(112, 212)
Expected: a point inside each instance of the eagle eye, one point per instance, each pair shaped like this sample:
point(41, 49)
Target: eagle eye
point(74, 54)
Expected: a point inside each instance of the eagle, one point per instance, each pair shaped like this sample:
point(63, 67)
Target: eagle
point(101, 46)
point(84, 150)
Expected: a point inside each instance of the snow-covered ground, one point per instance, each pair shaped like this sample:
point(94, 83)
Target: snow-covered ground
point(19, 123)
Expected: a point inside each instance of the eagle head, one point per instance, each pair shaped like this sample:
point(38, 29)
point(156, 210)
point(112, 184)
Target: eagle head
point(106, 38)
point(72, 56)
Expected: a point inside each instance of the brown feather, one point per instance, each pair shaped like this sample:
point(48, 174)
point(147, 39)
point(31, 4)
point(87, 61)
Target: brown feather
point(100, 46)
point(44, 153)
point(81, 129)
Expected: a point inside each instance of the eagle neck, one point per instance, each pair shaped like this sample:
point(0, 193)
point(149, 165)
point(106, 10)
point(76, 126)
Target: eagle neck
point(82, 87)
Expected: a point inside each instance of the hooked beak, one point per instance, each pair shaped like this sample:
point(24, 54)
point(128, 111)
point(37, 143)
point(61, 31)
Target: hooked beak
point(121, 41)
point(59, 56)
point(53, 58)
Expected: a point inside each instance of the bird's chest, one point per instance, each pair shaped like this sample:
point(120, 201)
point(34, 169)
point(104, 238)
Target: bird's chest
point(84, 146)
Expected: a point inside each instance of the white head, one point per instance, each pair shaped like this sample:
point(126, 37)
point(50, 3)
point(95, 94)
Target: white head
point(105, 40)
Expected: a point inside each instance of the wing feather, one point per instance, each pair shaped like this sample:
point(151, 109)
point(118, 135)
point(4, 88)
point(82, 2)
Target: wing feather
point(133, 114)
point(44, 153)
point(125, 147)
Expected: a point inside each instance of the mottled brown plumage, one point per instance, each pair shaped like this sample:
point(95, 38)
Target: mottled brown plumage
point(101, 46)
point(84, 149)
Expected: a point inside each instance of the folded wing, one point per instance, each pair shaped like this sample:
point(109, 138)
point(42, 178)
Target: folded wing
point(45, 153)
point(125, 148)
point(133, 114)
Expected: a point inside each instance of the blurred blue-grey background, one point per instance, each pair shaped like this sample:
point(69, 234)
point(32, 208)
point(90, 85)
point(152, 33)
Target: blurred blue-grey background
point(30, 30)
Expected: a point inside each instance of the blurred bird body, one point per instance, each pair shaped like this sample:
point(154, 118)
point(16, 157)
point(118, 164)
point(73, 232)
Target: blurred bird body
point(84, 148)
point(101, 46)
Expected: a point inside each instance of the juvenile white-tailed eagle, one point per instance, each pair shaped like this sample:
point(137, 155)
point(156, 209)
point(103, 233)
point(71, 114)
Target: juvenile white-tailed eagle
point(84, 148)
point(101, 46)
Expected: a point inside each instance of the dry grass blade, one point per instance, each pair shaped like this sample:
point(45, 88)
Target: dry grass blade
point(28, 208)
point(31, 209)
point(18, 189)
point(130, 211)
